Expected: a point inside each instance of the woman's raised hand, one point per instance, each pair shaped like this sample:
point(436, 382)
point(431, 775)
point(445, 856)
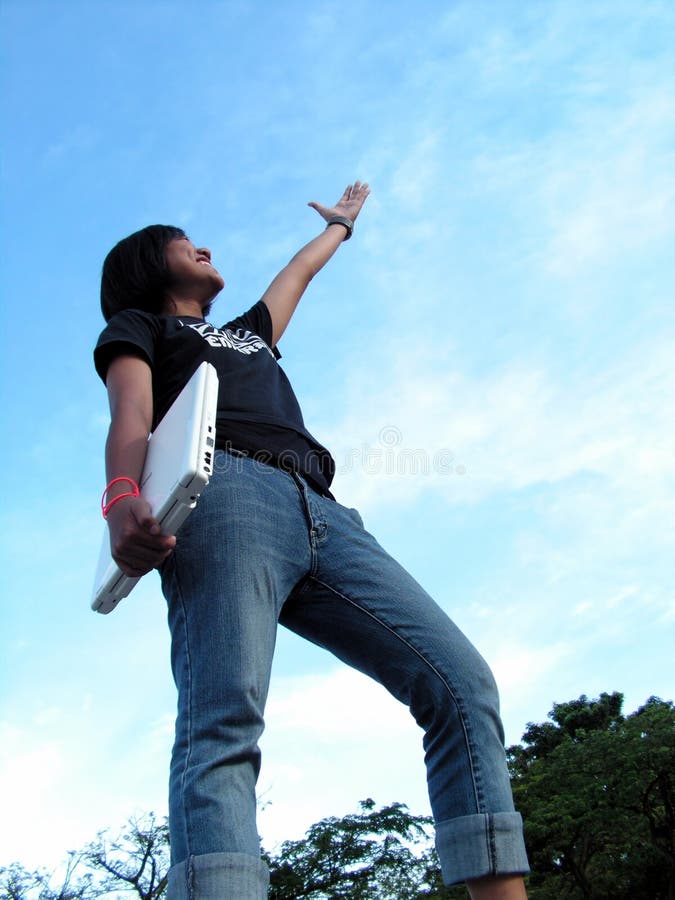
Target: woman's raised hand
point(348, 205)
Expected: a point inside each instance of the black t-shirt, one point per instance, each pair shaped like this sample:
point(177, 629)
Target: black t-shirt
point(258, 412)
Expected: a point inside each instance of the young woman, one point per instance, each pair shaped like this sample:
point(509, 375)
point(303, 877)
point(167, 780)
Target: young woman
point(268, 543)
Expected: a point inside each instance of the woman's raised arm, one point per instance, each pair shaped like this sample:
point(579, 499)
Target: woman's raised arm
point(285, 291)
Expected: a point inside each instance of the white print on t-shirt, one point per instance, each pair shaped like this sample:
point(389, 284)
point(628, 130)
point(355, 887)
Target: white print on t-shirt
point(243, 341)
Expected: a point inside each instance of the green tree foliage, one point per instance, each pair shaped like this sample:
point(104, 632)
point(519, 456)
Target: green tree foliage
point(375, 854)
point(596, 790)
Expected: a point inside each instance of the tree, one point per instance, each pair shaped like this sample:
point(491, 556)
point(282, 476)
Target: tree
point(135, 862)
point(138, 860)
point(596, 790)
point(375, 854)
point(16, 883)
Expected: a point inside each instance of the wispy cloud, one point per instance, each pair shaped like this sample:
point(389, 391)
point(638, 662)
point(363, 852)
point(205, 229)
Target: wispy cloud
point(329, 731)
point(517, 426)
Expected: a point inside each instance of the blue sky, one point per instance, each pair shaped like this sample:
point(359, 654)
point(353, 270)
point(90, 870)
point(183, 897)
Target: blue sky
point(490, 358)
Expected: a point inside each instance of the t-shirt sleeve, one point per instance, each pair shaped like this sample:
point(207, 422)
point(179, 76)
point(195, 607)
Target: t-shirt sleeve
point(259, 321)
point(129, 333)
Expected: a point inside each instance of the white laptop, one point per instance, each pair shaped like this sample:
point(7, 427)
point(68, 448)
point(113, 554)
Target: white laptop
point(177, 468)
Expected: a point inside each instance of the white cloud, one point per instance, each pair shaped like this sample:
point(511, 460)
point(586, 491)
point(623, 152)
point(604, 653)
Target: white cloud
point(619, 196)
point(342, 703)
point(512, 428)
point(598, 188)
point(415, 177)
point(29, 774)
point(79, 141)
point(334, 738)
point(518, 668)
point(67, 774)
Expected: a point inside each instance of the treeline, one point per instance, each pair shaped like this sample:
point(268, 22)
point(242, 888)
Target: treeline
point(596, 790)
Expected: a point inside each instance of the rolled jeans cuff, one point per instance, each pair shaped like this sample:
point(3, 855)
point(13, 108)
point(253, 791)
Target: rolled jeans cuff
point(481, 845)
point(218, 876)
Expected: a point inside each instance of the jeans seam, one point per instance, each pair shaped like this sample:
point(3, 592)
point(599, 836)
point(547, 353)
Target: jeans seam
point(492, 843)
point(478, 794)
point(188, 753)
point(190, 877)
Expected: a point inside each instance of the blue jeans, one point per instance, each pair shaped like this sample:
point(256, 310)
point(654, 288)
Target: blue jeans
point(261, 548)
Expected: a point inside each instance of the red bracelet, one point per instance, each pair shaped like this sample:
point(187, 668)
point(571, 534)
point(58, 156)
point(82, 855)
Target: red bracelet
point(135, 492)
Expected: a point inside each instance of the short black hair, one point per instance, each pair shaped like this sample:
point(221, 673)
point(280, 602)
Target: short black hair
point(135, 274)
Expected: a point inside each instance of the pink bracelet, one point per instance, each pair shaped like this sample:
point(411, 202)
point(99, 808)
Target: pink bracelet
point(135, 492)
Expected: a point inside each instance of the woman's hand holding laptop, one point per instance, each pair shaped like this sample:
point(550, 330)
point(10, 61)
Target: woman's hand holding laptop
point(136, 542)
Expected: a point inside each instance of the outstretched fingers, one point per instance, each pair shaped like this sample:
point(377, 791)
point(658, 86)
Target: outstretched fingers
point(352, 191)
point(353, 198)
point(349, 204)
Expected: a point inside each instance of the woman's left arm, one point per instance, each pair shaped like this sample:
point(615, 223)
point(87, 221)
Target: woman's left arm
point(284, 293)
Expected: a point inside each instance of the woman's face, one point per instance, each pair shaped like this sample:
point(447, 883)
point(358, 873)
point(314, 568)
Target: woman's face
point(193, 277)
